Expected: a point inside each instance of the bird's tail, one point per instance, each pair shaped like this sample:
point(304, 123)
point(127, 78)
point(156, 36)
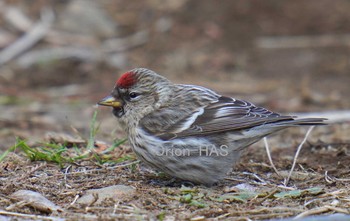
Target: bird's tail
point(310, 121)
point(302, 122)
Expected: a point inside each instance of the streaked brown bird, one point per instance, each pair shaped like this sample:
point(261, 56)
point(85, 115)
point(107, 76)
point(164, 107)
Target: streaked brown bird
point(187, 131)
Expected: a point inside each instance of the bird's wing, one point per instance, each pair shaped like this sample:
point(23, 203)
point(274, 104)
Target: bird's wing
point(226, 114)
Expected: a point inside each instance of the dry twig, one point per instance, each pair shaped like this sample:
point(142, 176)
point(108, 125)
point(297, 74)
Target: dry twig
point(15, 17)
point(28, 216)
point(27, 41)
point(321, 210)
point(303, 41)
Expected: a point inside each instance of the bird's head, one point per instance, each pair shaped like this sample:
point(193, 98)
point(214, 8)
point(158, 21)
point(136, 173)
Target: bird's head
point(137, 93)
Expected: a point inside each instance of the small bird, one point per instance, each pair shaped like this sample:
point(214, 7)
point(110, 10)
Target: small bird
point(187, 131)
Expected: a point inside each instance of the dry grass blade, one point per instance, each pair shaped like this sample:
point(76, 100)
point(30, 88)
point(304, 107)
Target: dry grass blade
point(268, 152)
point(297, 154)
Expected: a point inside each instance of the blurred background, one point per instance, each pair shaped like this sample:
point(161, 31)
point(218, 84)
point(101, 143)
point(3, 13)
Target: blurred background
point(58, 58)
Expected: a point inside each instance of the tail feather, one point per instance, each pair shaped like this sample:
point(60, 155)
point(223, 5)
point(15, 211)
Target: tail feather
point(303, 122)
point(310, 121)
point(294, 122)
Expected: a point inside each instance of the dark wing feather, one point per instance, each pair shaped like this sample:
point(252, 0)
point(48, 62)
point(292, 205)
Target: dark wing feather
point(227, 114)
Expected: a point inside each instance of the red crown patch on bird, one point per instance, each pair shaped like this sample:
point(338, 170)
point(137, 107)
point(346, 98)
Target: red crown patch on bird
point(127, 80)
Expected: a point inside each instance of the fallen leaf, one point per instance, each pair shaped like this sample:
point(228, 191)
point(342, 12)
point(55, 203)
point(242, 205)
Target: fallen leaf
point(97, 196)
point(299, 193)
point(35, 200)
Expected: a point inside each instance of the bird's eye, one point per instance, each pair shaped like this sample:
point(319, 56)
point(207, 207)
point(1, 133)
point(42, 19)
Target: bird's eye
point(133, 95)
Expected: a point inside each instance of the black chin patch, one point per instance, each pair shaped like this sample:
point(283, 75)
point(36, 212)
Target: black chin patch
point(118, 112)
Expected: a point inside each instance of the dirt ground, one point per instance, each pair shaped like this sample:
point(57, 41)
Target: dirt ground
point(288, 56)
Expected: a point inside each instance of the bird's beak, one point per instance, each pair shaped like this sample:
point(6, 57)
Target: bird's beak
point(110, 101)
